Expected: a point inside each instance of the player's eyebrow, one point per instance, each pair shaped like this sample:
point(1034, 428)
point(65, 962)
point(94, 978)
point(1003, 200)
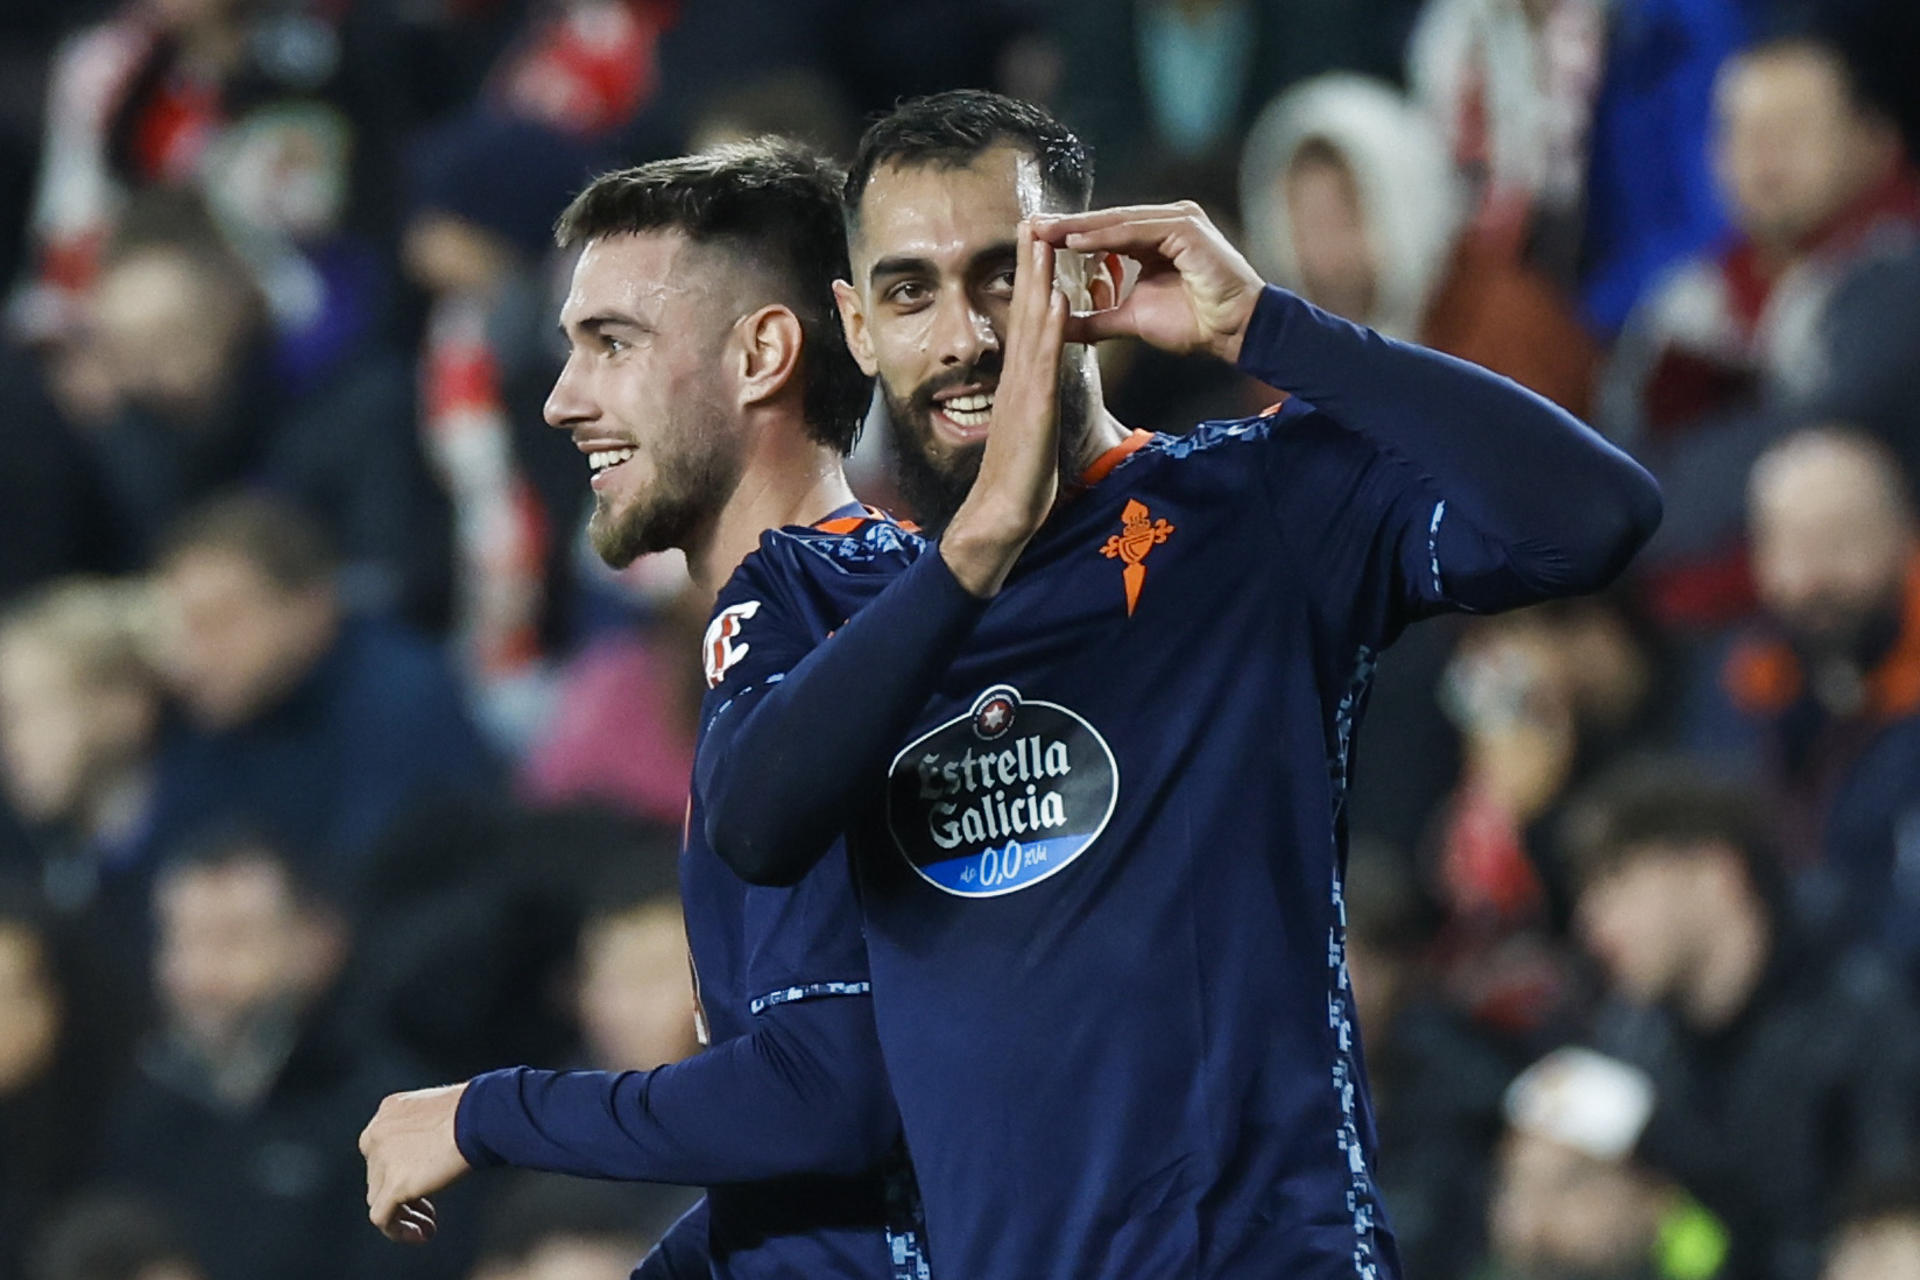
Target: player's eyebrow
point(598, 323)
point(901, 265)
point(996, 255)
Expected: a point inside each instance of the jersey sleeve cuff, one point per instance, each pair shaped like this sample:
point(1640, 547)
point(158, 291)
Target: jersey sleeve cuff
point(1266, 330)
point(480, 1102)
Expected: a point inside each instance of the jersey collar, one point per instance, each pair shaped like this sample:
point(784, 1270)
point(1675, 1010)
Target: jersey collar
point(1103, 465)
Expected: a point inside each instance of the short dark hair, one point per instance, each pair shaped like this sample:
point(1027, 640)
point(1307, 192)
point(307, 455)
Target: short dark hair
point(273, 534)
point(233, 842)
point(1656, 801)
point(771, 201)
point(951, 129)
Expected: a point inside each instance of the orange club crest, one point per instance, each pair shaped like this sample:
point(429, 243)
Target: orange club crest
point(1139, 534)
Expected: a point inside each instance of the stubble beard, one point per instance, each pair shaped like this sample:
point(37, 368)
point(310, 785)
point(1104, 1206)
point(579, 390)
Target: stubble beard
point(934, 480)
point(693, 478)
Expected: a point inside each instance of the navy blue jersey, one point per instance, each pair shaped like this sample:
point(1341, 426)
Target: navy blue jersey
point(786, 1118)
point(1101, 868)
point(755, 949)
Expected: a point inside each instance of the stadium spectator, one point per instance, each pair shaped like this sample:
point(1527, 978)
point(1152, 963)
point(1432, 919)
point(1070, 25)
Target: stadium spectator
point(183, 339)
point(636, 1006)
point(54, 518)
point(1511, 85)
point(1349, 200)
point(1878, 1234)
point(277, 113)
point(1437, 1080)
point(627, 702)
point(1570, 1199)
point(79, 727)
point(473, 922)
point(542, 1227)
point(1800, 317)
point(1163, 90)
point(1650, 193)
point(485, 191)
point(1779, 1071)
point(241, 1120)
point(113, 1237)
point(318, 726)
point(54, 1076)
point(1539, 697)
point(1823, 696)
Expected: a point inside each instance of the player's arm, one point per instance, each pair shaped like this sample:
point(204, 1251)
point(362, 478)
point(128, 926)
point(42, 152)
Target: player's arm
point(782, 770)
point(1524, 482)
point(804, 1093)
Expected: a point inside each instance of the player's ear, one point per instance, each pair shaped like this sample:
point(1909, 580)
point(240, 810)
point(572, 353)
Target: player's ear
point(1104, 274)
point(853, 321)
point(767, 352)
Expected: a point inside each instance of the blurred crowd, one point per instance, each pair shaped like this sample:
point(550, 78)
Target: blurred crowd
point(333, 763)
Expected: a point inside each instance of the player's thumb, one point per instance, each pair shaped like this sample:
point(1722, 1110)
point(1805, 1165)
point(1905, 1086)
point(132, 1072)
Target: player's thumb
point(1098, 326)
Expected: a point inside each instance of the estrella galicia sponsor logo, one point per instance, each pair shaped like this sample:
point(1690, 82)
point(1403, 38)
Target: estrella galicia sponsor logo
point(1002, 797)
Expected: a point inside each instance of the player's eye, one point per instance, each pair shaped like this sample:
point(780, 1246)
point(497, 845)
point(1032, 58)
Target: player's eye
point(611, 345)
point(1000, 283)
point(908, 293)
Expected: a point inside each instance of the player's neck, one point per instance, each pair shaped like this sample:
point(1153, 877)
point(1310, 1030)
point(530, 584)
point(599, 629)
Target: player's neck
point(1103, 433)
point(788, 478)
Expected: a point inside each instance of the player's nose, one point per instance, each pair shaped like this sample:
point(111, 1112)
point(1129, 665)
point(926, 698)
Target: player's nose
point(568, 404)
point(962, 332)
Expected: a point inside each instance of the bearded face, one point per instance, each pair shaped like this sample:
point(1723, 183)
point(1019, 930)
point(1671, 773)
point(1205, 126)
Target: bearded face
point(641, 392)
point(934, 475)
point(934, 256)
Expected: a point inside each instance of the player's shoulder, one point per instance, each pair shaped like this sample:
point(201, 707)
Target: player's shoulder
point(872, 542)
point(1221, 437)
point(797, 560)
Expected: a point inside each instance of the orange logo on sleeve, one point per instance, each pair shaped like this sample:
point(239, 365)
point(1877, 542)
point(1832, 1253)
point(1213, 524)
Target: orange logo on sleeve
point(1139, 534)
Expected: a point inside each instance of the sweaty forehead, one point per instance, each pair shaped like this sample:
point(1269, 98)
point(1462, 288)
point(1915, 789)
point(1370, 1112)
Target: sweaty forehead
point(945, 213)
point(645, 276)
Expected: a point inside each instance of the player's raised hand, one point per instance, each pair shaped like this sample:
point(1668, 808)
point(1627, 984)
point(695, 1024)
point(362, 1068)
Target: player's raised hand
point(1020, 468)
point(1196, 292)
point(411, 1154)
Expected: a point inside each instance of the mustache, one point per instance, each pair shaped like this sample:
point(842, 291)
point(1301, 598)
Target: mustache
point(986, 369)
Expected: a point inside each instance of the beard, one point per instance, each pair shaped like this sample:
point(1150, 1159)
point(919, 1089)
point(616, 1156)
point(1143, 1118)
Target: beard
point(695, 472)
point(934, 480)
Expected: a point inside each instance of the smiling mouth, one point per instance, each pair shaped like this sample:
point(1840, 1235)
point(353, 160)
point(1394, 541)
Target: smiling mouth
point(603, 461)
point(971, 413)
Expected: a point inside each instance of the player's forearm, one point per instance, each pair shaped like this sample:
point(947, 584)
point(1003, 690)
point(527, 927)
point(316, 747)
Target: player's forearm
point(982, 542)
point(805, 1093)
point(779, 786)
point(1568, 508)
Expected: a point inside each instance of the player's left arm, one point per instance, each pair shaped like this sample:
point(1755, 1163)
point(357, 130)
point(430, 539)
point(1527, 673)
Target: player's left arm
point(804, 1092)
point(1537, 504)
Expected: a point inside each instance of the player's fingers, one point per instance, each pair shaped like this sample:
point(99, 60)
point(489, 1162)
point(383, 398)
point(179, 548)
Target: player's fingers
point(1147, 239)
point(417, 1219)
point(1051, 340)
point(1030, 284)
point(1032, 287)
point(1098, 326)
point(1056, 227)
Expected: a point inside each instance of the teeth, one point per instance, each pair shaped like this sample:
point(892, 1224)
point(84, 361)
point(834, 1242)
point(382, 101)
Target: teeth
point(970, 411)
point(605, 458)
